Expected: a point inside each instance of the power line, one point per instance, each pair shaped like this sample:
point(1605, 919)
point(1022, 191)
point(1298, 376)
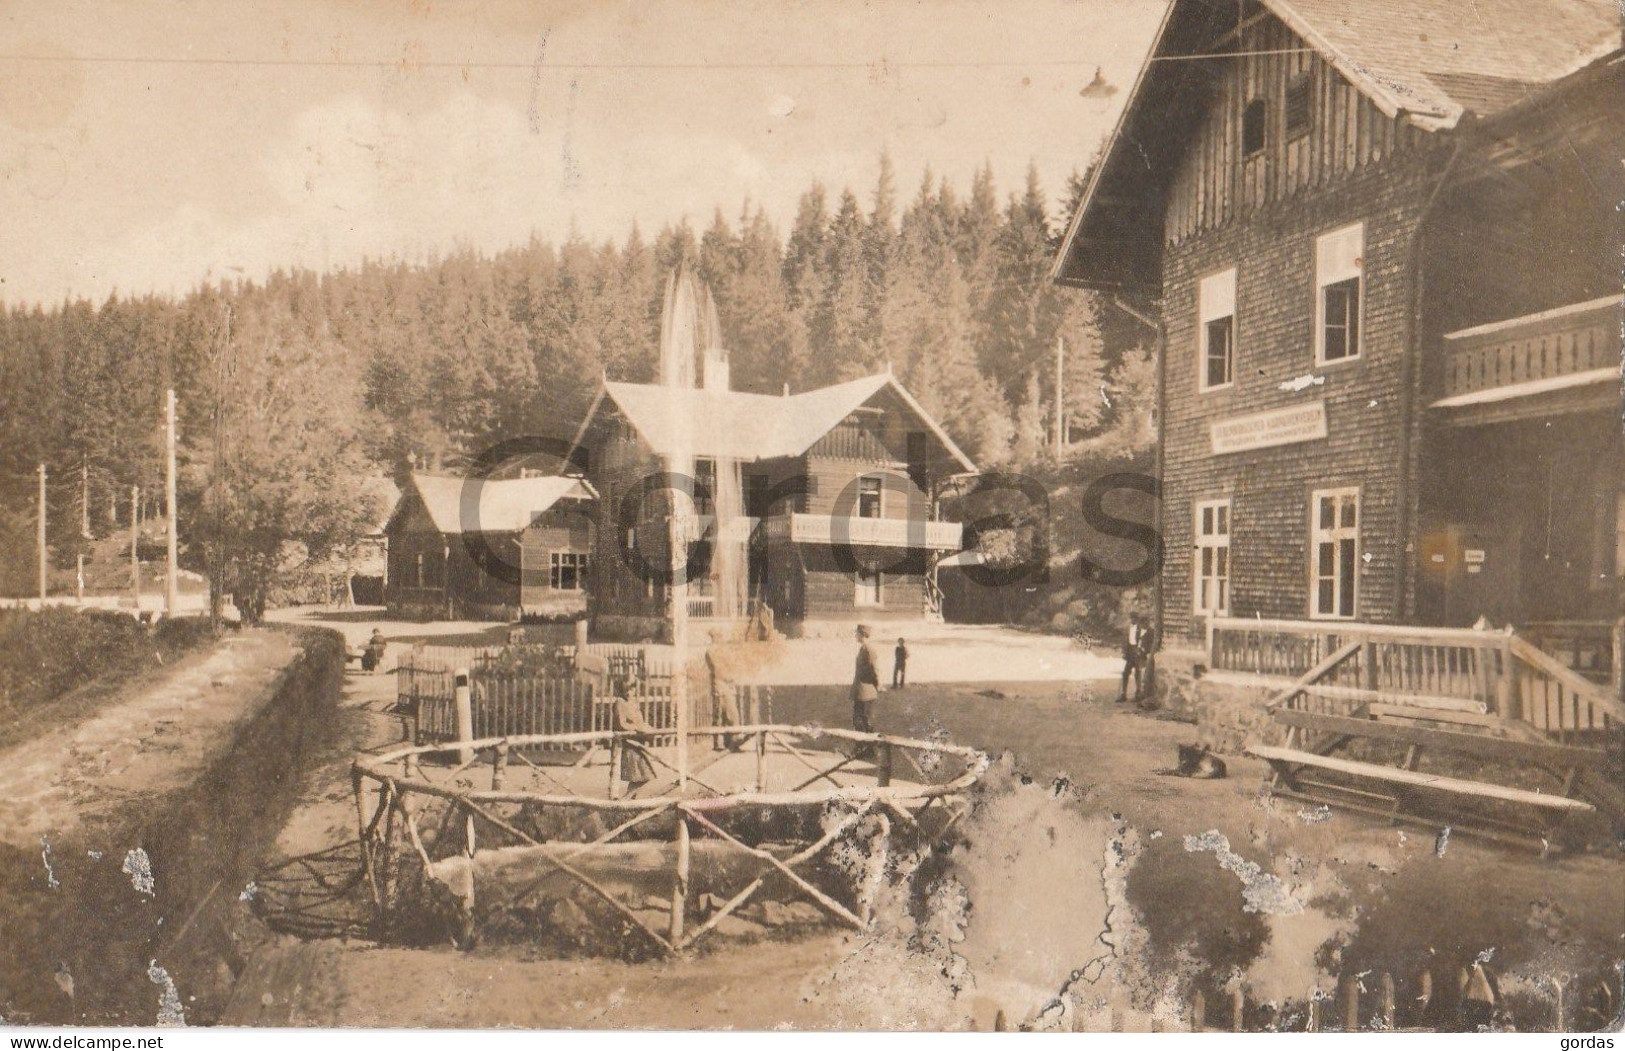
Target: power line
point(340, 63)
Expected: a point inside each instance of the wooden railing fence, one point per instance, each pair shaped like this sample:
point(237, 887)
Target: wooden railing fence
point(1338, 668)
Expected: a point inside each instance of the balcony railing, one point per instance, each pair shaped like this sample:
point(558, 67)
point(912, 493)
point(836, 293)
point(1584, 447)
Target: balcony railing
point(869, 532)
point(1567, 347)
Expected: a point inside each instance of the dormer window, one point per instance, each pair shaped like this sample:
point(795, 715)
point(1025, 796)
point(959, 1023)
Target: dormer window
point(1253, 121)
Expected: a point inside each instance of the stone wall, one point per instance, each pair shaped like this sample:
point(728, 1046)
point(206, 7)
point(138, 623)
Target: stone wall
point(1232, 715)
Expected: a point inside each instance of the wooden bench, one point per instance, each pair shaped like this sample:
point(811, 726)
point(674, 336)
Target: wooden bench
point(1291, 757)
point(1412, 715)
point(1403, 787)
point(1409, 733)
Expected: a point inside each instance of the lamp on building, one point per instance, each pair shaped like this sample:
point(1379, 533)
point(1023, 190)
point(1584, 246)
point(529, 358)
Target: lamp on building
point(1099, 88)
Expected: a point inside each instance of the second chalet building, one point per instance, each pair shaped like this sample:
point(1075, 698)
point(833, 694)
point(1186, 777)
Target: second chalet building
point(825, 503)
point(1384, 243)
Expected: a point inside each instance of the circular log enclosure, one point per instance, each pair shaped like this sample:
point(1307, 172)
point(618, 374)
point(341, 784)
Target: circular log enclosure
point(732, 815)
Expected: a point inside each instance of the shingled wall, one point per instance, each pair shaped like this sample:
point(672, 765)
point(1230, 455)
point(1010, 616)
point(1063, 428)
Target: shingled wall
point(1270, 489)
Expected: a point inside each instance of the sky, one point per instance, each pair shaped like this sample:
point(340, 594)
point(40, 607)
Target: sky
point(149, 145)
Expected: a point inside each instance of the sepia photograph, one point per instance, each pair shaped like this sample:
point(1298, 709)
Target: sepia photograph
point(930, 516)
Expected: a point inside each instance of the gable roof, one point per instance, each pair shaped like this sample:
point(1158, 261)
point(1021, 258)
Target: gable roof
point(505, 505)
point(1437, 60)
point(742, 426)
point(1432, 62)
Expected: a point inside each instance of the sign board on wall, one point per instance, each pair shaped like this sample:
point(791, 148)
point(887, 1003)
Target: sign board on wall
point(1260, 430)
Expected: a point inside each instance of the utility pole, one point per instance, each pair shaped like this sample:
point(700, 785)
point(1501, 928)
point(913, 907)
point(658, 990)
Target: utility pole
point(43, 565)
point(84, 529)
point(1060, 394)
point(135, 545)
point(172, 593)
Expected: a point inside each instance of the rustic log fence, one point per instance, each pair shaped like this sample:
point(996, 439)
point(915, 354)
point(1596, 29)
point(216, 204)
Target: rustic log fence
point(844, 788)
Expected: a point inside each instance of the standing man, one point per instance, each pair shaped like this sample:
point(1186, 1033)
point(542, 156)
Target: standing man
point(865, 684)
point(899, 665)
point(1133, 658)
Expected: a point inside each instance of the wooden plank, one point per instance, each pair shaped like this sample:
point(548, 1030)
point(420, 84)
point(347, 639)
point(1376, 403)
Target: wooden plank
point(1431, 702)
point(1437, 715)
point(1417, 780)
point(1452, 740)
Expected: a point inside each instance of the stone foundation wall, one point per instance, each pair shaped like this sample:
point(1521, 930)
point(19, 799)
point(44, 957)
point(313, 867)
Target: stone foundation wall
point(1230, 716)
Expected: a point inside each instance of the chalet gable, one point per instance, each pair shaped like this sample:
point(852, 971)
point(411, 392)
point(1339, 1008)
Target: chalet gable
point(741, 426)
point(1244, 102)
point(453, 505)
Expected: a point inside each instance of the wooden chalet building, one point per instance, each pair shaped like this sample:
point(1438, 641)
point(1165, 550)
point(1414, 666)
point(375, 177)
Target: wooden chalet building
point(835, 518)
point(1383, 242)
point(494, 549)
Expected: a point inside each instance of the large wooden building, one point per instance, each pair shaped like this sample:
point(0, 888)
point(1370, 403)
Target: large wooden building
point(1383, 241)
point(491, 549)
point(836, 518)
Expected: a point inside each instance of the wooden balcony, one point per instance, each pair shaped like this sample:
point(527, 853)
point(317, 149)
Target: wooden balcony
point(867, 532)
point(1557, 360)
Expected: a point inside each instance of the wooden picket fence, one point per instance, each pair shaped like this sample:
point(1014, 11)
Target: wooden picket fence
point(504, 705)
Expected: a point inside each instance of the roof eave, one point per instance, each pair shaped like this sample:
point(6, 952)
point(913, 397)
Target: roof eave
point(1112, 141)
point(936, 428)
point(586, 421)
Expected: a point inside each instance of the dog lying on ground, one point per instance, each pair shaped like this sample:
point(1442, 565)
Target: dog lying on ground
point(1197, 760)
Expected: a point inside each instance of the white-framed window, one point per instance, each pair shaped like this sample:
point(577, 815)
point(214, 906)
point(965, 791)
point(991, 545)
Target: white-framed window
point(870, 492)
point(566, 571)
point(1211, 561)
point(1334, 553)
point(1216, 313)
point(871, 588)
point(1339, 293)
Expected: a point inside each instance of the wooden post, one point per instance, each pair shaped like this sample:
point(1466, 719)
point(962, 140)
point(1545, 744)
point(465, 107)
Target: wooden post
point(884, 776)
point(1198, 1012)
point(1389, 1006)
point(1559, 1023)
point(581, 637)
point(1238, 1009)
point(679, 883)
point(1368, 662)
point(761, 760)
point(135, 543)
point(84, 531)
point(1060, 394)
point(465, 715)
point(1313, 1023)
point(1426, 996)
point(499, 765)
point(1506, 695)
point(1351, 1001)
point(172, 591)
point(44, 562)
